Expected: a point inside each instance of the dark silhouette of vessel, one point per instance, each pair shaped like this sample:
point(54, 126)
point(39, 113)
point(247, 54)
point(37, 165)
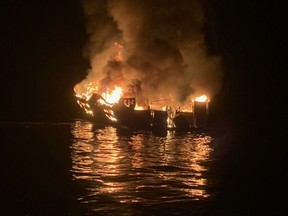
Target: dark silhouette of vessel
point(124, 114)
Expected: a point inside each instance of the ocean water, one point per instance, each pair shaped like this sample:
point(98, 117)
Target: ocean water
point(77, 168)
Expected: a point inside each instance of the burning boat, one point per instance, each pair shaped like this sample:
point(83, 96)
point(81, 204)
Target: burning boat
point(124, 112)
point(147, 67)
point(115, 99)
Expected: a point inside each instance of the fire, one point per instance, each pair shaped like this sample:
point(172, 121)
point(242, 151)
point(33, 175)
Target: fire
point(202, 98)
point(137, 107)
point(114, 97)
point(103, 95)
point(107, 99)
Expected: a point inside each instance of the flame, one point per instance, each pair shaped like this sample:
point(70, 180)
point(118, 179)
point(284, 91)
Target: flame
point(137, 107)
point(202, 98)
point(110, 114)
point(107, 95)
point(85, 91)
point(85, 106)
point(115, 95)
point(108, 99)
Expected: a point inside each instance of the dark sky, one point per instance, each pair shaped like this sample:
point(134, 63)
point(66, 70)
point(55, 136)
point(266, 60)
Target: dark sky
point(251, 40)
point(41, 56)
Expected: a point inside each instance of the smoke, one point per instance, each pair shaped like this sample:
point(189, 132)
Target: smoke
point(163, 43)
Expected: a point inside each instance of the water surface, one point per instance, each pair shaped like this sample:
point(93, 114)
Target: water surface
point(77, 168)
point(131, 171)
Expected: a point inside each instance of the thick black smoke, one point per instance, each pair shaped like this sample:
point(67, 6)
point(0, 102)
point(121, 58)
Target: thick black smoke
point(163, 46)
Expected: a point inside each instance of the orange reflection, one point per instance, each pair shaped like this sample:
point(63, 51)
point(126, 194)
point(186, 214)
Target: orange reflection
point(127, 168)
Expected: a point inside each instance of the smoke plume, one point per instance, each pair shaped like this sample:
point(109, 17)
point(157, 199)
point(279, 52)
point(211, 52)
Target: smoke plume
point(158, 44)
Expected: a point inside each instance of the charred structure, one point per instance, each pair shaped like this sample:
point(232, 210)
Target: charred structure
point(124, 114)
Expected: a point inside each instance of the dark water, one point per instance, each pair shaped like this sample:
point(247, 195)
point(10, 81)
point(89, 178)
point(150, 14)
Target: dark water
point(80, 169)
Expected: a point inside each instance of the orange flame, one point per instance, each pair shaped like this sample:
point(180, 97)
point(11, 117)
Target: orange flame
point(114, 96)
point(137, 107)
point(202, 98)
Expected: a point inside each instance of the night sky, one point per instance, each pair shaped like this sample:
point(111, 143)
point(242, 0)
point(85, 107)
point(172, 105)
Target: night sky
point(41, 59)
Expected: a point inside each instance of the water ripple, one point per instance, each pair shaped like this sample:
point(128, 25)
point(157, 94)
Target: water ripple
point(116, 169)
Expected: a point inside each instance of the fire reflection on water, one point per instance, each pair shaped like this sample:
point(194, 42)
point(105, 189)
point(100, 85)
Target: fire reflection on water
point(138, 167)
